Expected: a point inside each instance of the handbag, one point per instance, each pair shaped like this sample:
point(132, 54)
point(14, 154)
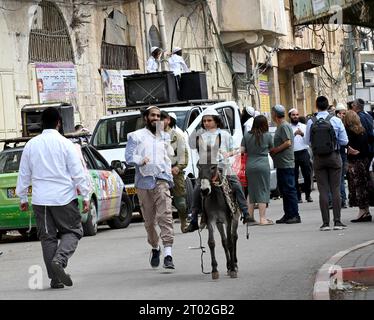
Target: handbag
point(239, 168)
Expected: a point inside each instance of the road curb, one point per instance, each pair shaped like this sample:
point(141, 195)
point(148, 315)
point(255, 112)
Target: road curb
point(321, 289)
point(364, 275)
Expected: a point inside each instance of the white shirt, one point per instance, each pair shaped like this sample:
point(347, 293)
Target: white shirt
point(51, 165)
point(209, 138)
point(299, 141)
point(177, 65)
point(153, 65)
point(249, 124)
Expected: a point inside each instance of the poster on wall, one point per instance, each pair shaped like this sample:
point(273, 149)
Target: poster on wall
point(264, 93)
point(56, 82)
point(114, 89)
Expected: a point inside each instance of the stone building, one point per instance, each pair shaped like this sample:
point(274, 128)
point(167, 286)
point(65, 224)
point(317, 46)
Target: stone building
point(78, 51)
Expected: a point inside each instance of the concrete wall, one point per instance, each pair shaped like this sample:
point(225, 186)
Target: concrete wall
point(265, 15)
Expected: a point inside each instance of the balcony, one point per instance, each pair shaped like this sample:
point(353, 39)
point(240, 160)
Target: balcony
point(353, 12)
point(251, 23)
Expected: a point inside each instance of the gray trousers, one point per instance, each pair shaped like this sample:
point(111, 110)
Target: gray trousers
point(328, 170)
point(63, 219)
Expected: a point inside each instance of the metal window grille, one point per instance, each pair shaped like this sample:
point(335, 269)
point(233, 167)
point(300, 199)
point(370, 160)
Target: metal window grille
point(49, 38)
point(118, 57)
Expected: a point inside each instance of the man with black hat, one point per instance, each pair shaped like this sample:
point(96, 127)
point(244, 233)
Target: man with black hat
point(51, 165)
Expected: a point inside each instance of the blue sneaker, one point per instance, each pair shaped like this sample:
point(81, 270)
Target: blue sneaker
point(155, 258)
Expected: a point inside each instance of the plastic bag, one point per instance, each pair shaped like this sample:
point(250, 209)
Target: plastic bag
point(239, 168)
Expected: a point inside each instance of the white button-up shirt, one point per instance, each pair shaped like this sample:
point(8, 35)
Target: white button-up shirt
point(299, 141)
point(153, 65)
point(50, 164)
point(177, 65)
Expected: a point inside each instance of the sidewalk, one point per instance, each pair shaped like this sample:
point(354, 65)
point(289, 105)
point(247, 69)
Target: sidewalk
point(348, 275)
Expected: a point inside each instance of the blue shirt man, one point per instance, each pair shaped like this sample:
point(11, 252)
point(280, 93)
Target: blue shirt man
point(328, 168)
point(149, 150)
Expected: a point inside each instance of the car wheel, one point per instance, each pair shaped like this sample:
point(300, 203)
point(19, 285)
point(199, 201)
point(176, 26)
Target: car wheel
point(124, 218)
point(90, 226)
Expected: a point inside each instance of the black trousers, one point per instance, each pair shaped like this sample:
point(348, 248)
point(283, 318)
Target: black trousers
point(302, 161)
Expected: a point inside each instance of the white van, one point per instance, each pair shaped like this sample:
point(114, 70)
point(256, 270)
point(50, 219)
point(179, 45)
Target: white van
point(110, 136)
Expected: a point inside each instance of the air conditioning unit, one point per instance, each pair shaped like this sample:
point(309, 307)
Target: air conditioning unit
point(31, 115)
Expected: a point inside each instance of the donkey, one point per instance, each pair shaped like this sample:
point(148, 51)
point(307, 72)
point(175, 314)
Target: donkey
point(216, 210)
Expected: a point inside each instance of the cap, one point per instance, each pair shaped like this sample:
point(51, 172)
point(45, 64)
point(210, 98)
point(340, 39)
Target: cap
point(340, 106)
point(153, 49)
point(292, 110)
point(173, 115)
point(250, 110)
point(176, 49)
point(152, 107)
point(210, 112)
point(279, 110)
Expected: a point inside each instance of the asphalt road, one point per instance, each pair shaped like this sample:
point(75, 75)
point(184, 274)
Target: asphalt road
point(277, 262)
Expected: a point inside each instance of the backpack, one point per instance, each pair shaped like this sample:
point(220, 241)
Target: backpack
point(322, 136)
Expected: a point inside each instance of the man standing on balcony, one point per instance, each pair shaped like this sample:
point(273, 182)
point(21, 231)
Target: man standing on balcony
point(302, 157)
point(149, 150)
point(153, 63)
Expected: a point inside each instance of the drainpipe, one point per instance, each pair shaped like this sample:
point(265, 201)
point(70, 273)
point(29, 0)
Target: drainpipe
point(146, 46)
point(161, 24)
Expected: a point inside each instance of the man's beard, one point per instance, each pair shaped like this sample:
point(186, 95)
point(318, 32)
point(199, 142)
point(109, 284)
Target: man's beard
point(151, 126)
point(293, 121)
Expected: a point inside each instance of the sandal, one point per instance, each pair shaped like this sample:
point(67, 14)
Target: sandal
point(366, 217)
point(268, 223)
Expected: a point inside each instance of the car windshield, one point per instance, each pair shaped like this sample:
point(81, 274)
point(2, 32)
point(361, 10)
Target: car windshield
point(10, 161)
point(112, 132)
point(181, 118)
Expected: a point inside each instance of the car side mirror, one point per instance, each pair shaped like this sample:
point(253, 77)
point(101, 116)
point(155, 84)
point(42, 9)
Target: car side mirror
point(116, 164)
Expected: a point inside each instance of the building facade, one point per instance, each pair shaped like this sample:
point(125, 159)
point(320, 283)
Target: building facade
point(79, 51)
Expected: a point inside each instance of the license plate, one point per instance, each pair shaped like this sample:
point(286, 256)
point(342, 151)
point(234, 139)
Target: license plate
point(130, 191)
point(11, 192)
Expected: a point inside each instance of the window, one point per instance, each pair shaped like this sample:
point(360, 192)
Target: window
point(118, 47)
point(98, 161)
point(154, 37)
point(10, 161)
point(194, 114)
point(49, 37)
point(239, 63)
point(87, 159)
point(112, 132)
point(229, 113)
point(227, 117)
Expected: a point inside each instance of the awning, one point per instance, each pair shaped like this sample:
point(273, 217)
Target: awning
point(300, 60)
